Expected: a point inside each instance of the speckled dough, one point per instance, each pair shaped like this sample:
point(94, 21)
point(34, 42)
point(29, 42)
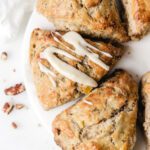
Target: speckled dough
point(97, 18)
point(138, 14)
point(66, 90)
point(146, 102)
point(103, 120)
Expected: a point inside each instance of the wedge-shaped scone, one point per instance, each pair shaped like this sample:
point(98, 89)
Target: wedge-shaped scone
point(97, 18)
point(138, 15)
point(64, 71)
point(146, 102)
point(103, 120)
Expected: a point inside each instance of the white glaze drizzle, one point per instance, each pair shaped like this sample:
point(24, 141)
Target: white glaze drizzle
point(85, 43)
point(49, 73)
point(87, 102)
point(65, 69)
point(57, 40)
point(81, 48)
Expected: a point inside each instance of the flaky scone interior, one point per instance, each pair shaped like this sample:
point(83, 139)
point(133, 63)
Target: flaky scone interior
point(103, 120)
point(66, 65)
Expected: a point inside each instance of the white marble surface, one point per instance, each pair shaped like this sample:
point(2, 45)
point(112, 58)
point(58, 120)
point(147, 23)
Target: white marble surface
point(28, 135)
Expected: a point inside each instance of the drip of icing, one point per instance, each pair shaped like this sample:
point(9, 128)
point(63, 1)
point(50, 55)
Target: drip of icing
point(57, 40)
point(49, 73)
point(65, 69)
point(87, 44)
point(81, 48)
point(75, 39)
point(87, 102)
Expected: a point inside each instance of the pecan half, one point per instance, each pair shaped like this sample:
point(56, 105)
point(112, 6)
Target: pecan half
point(14, 90)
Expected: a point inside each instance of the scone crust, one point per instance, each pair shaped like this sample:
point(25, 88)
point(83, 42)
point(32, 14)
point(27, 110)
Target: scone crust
point(146, 102)
point(138, 14)
point(103, 120)
point(96, 18)
point(66, 90)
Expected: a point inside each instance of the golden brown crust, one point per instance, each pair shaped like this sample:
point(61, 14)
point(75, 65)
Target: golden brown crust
point(96, 18)
point(106, 122)
point(146, 102)
point(66, 89)
point(138, 14)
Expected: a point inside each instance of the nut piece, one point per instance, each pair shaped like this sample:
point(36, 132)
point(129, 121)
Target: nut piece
point(14, 125)
point(4, 56)
point(14, 90)
point(7, 108)
point(19, 106)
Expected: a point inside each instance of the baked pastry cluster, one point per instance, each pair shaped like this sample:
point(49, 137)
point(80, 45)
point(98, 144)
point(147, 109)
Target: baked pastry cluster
point(74, 61)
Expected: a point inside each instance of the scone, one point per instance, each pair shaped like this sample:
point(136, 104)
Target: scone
point(103, 120)
point(146, 102)
point(96, 18)
point(138, 15)
point(65, 65)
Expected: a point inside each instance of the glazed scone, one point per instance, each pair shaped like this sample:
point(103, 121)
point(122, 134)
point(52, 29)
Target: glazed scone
point(146, 102)
point(103, 120)
point(138, 15)
point(63, 71)
point(96, 18)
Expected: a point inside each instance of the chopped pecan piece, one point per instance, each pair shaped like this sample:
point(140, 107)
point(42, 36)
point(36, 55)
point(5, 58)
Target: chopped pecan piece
point(19, 106)
point(4, 56)
point(14, 125)
point(7, 108)
point(14, 90)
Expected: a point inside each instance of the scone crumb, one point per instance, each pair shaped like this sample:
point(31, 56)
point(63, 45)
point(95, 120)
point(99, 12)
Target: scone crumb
point(19, 106)
point(14, 125)
point(7, 108)
point(4, 56)
point(14, 90)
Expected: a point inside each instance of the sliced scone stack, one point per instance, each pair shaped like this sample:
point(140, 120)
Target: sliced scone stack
point(66, 65)
point(146, 102)
point(103, 120)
